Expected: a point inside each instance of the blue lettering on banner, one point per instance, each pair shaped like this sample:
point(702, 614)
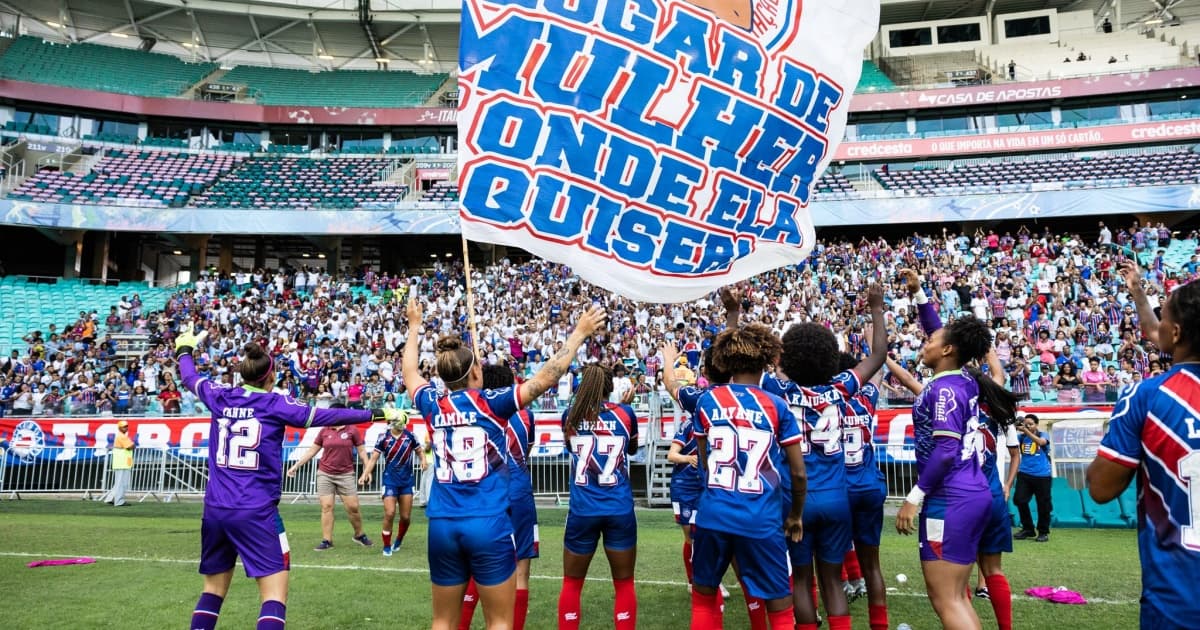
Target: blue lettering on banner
point(651, 140)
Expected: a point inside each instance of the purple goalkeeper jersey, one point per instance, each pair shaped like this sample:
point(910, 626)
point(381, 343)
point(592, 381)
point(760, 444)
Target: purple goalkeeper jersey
point(948, 407)
point(245, 439)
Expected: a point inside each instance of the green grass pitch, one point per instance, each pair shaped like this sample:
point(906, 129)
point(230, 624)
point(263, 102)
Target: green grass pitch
point(145, 574)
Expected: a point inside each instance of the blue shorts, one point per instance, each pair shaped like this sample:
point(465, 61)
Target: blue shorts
point(465, 548)
point(827, 530)
point(583, 533)
point(866, 510)
point(396, 491)
point(685, 512)
point(762, 561)
point(951, 527)
point(256, 536)
point(523, 513)
point(997, 534)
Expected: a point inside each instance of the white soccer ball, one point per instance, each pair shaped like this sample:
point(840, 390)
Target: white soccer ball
point(901, 578)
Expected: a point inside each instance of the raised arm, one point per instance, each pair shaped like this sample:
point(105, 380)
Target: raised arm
point(907, 380)
point(185, 343)
point(732, 300)
point(548, 376)
point(1147, 320)
point(409, 366)
point(670, 354)
point(870, 365)
point(927, 313)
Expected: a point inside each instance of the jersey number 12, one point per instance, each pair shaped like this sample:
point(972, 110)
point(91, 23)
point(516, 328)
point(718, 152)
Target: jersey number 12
point(236, 443)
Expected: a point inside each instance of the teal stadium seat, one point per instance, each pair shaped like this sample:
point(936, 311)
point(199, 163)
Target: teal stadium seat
point(1128, 502)
point(873, 79)
point(1104, 515)
point(1068, 505)
point(336, 88)
point(26, 306)
point(102, 68)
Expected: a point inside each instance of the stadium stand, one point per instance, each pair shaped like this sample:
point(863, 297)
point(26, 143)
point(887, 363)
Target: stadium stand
point(441, 191)
point(338, 88)
point(142, 177)
point(873, 79)
point(104, 68)
point(1104, 515)
point(28, 127)
point(30, 304)
point(333, 183)
point(1068, 505)
point(1128, 50)
point(1181, 166)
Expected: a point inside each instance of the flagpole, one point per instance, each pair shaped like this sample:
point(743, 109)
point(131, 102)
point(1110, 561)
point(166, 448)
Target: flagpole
point(470, 296)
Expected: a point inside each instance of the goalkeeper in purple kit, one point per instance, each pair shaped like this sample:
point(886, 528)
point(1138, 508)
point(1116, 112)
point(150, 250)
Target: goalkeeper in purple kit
point(245, 466)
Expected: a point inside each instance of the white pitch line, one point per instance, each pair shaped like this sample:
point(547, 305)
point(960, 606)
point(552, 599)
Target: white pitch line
point(409, 570)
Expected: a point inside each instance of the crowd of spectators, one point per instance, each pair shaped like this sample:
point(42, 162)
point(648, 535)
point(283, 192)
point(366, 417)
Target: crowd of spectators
point(1066, 328)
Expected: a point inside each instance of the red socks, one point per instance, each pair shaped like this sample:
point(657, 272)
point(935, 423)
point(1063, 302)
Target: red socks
point(1001, 594)
point(706, 612)
point(387, 539)
point(624, 605)
point(521, 609)
point(850, 565)
point(756, 609)
point(687, 560)
point(879, 617)
point(839, 623)
point(470, 601)
point(401, 530)
point(568, 603)
point(782, 620)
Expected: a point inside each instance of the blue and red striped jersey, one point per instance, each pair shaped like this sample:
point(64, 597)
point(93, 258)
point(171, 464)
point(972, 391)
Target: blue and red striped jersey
point(858, 437)
point(520, 442)
point(1155, 429)
point(470, 449)
point(685, 478)
point(818, 409)
point(397, 452)
point(746, 429)
point(600, 481)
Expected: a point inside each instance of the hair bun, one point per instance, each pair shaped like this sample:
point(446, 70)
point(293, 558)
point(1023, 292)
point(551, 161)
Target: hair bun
point(448, 344)
point(253, 351)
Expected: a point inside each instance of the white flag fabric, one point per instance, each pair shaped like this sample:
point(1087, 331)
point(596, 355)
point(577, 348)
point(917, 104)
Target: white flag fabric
point(661, 149)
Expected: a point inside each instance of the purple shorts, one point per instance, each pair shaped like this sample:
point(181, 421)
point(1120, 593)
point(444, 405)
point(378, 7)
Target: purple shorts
point(256, 536)
point(952, 526)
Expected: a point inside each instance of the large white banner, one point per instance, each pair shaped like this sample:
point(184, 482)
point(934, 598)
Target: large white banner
point(660, 148)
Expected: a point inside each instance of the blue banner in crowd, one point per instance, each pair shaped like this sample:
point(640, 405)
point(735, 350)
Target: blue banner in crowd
point(660, 148)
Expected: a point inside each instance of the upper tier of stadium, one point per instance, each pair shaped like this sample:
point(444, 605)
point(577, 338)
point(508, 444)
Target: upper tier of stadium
point(402, 54)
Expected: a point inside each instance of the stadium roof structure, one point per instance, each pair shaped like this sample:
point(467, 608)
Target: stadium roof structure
point(415, 35)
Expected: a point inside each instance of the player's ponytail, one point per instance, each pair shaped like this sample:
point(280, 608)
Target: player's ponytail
point(972, 339)
point(998, 403)
point(256, 365)
point(595, 386)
